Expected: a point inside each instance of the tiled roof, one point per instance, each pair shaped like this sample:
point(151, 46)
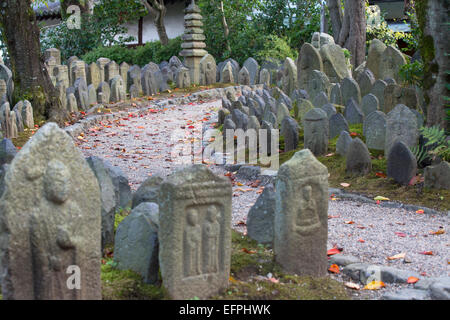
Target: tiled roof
point(51, 10)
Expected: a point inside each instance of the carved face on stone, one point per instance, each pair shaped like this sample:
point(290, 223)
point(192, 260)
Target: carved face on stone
point(192, 217)
point(57, 182)
point(307, 219)
point(307, 192)
point(212, 214)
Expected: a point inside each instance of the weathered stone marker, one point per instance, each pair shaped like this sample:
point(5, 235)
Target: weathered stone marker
point(195, 233)
point(316, 131)
point(136, 242)
point(50, 222)
point(301, 215)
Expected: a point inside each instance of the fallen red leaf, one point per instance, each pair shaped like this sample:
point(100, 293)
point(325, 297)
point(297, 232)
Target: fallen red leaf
point(412, 280)
point(381, 174)
point(334, 268)
point(332, 217)
point(333, 251)
point(400, 234)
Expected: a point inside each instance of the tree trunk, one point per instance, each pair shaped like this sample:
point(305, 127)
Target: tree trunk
point(323, 19)
point(160, 27)
point(336, 17)
point(31, 79)
point(353, 31)
point(434, 49)
point(226, 29)
point(158, 8)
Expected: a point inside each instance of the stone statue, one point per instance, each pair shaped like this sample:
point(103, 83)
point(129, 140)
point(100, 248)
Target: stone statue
point(50, 222)
point(192, 244)
point(195, 233)
point(211, 231)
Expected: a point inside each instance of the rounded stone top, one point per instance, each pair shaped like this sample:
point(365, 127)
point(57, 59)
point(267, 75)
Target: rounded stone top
point(315, 114)
point(401, 110)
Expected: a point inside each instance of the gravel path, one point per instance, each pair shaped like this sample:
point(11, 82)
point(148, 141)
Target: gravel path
point(141, 146)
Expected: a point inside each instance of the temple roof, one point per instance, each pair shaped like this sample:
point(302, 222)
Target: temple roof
point(49, 11)
point(52, 9)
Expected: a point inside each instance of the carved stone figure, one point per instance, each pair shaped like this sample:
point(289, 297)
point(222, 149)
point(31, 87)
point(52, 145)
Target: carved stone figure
point(211, 230)
point(195, 233)
point(192, 262)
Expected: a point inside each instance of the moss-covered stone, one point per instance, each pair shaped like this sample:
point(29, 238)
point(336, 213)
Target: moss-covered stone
point(127, 285)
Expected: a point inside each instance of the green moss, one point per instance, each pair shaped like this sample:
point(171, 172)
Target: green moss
point(289, 288)
point(426, 47)
point(259, 261)
point(22, 138)
point(250, 260)
point(120, 215)
point(127, 285)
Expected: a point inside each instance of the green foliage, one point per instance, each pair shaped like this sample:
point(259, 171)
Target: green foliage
point(120, 216)
point(390, 37)
point(437, 138)
point(420, 154)
point(347, 53)
point(127, 285)
point(150, 52)
point(259, 28)
point(157, 52)
point(103, 28)
point(275, 47)
point(294, 20)
point(447, 98)
point(239, 15)
point(412, 73)
point(414, 36)
point(3, 48)
point(384, 34)
point(437, 142)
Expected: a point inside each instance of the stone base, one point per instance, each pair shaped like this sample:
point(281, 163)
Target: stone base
point(193, 64)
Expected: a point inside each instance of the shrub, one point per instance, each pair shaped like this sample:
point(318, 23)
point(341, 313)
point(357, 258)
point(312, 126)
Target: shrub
point(150, 52)
point(102, 28)
point(275, 47)
point(412, 73)
point(155, 52)
point(437, 144)
point(76, 42)
point(117, 53)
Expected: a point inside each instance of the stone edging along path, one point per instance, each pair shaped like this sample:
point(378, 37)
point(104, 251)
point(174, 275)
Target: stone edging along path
point(339, 193)
point(210, 94)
